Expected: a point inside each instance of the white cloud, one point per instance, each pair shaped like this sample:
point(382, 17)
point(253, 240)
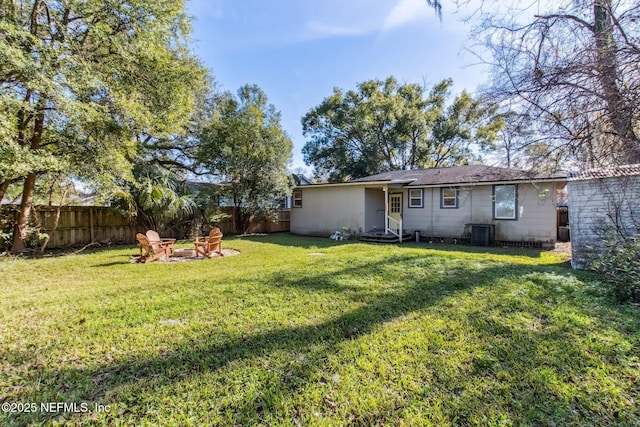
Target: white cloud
point(339, 18)
point(406, 12)
point(358, 18)
point(315, 30)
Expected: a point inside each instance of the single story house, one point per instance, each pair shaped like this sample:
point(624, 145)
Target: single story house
point(504, 205)
point(603, 201)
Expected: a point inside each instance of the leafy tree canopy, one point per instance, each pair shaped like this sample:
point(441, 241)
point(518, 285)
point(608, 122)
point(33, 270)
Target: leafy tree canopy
point(245, 146)
point(83, 82)
point(384, 125)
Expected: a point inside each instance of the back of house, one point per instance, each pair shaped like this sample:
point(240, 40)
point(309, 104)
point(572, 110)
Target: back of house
point(444, 204)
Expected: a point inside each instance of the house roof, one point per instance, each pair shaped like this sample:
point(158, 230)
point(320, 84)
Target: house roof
point(599, 173)
point(470, 174)
point(300, 179)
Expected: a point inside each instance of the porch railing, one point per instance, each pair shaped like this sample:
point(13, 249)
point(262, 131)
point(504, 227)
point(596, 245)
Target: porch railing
point(394, 227)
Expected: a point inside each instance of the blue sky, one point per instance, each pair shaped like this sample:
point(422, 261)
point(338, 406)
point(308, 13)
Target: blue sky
point(297, 51)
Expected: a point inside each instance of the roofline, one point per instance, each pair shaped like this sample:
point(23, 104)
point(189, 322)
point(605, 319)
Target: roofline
point(407, 183)
point(620, 171)
point(478, 183)
point(343, 184)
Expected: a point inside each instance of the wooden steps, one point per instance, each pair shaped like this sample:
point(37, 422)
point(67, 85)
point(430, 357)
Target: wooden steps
point(380, 237)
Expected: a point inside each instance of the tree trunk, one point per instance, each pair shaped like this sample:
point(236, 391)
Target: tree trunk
point(56, 222)
point(4, 186)
point(22, 222)
point(241, 220)
point(618, 109)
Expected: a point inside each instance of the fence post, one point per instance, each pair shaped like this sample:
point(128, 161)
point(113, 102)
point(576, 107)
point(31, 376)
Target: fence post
point(91, 219)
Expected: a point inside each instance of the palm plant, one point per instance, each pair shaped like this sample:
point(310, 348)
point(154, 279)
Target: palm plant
point(160, 199)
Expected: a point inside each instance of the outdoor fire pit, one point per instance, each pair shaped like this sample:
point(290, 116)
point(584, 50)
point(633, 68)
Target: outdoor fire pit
point(184, 253)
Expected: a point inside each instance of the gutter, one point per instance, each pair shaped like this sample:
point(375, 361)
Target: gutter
point(407, 183)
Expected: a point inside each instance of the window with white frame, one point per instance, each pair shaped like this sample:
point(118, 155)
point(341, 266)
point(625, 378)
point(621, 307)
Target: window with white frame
point(297, 199)
point(416, 198)
point(505, 201)
point(449, 198)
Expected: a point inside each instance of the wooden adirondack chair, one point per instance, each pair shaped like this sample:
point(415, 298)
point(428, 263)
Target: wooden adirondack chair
point(154, 239)
point(212, 245)
point(149, 251)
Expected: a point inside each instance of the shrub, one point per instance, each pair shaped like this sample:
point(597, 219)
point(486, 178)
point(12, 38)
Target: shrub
point(35, 232)
point(619, 264)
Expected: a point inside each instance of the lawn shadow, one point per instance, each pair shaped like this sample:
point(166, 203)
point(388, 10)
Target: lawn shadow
point(296, 241)
point(530, 252)
point(36, 255)
point(309, 242)
point(546, 368)
point(209, 353)
point(196, 357)
point(111, 264)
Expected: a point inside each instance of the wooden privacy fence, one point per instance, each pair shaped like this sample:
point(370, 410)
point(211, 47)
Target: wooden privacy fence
point(256, 225)
point(81, 225)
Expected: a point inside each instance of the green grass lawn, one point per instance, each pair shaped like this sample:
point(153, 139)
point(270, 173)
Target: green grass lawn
point(303, 331)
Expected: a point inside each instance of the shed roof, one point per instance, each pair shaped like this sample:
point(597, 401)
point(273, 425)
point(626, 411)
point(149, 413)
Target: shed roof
point(469, 174)
point(610, 172)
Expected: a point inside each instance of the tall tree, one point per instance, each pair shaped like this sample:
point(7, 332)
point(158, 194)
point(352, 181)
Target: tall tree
point(245, 146)
point(513, 137)
point(384, 125)
point(81, 79)
point(178, 150)
point(573, 66)
point(465, 129)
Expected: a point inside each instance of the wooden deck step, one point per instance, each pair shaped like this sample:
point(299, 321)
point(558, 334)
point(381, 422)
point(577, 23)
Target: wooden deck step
point(384, 238)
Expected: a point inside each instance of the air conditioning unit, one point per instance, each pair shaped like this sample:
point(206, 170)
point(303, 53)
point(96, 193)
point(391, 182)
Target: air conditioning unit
point(482, 234)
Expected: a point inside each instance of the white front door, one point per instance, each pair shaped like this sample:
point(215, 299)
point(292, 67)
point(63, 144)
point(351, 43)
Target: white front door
point(395, 209)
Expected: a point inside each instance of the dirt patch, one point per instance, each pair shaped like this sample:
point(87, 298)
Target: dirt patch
point(182, 255)
point(185, 255)
point(562, 248)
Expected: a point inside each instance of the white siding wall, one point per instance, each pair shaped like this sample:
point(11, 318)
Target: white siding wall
point(374, 209)
point(595, 203)
point(434, 221)
point(327, 209)
point(536, 214)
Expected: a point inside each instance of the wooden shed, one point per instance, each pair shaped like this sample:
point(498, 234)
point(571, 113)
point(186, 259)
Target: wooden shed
point(601, 201)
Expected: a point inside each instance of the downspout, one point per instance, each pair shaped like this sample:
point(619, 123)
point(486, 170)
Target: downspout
point(432, 211)
point(386, 209)
point(401, 230)
point(471, 206)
